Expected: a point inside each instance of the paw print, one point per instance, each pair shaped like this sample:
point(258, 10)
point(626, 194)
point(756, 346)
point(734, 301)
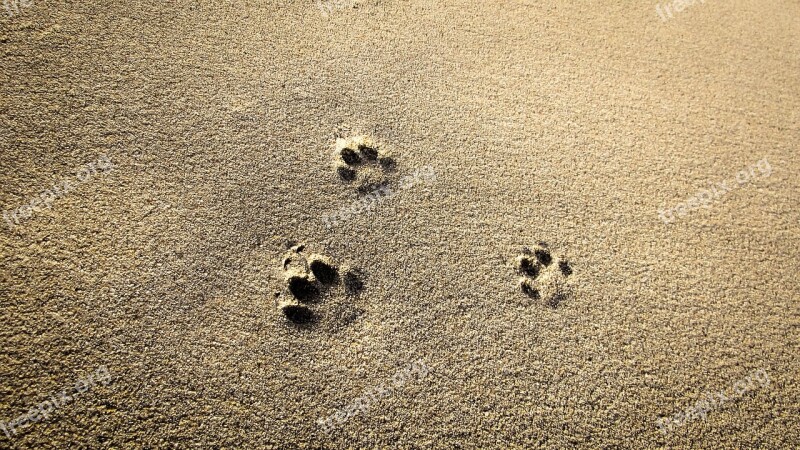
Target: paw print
point(542, 275)
point(311, 279)
point(359, 160)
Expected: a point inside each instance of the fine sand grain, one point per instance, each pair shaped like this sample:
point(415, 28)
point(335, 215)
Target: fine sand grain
point(400, 224)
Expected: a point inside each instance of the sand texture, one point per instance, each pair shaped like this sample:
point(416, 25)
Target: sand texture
point(399, 224)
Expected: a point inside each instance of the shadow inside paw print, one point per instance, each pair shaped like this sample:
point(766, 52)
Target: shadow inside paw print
point(359, 160)
point(544, 277)
point(308, 280)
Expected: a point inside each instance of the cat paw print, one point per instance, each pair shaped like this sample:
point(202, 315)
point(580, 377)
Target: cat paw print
point(312, 286)
point(361, 161)
point(542, 275)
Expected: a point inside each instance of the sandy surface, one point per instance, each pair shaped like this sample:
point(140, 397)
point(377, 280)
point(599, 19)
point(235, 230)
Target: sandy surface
point(510, 122)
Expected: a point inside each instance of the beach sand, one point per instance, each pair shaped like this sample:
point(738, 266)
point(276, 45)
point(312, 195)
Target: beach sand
point(198, 141)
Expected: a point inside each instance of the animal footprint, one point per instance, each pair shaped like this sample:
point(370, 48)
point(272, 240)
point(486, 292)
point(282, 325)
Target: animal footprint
point(543, 276)
point(310, 280)
point(360, 160)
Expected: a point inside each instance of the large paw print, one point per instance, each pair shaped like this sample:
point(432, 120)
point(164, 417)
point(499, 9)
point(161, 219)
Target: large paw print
point(311, 279)
point(543, 276)
point(359, 160)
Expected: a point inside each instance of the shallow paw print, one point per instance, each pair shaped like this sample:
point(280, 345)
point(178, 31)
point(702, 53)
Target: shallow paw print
point(311, 281)
point(360, 160)
point(543, 276)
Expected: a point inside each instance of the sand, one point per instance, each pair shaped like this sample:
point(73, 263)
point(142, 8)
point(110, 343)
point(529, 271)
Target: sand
point(610, 133)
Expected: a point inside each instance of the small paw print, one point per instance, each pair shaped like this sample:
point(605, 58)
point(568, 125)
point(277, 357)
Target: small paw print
point(543, 276)
point(311, 279)
point(360, 160)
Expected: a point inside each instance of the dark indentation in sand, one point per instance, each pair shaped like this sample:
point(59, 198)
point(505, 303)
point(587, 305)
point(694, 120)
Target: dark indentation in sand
point(544, 274)
point(353, 283)
point(370, 153)
point(565, 268)
point(388, 163)
point(288, 260)
point(556, 300)
point(529, 267)
point(350, 156)
point(302, 289)
point(543, 256)
point(314, 282)
point(530, 291)
point(346, 173)
point(324, 272)
point(298, 314)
